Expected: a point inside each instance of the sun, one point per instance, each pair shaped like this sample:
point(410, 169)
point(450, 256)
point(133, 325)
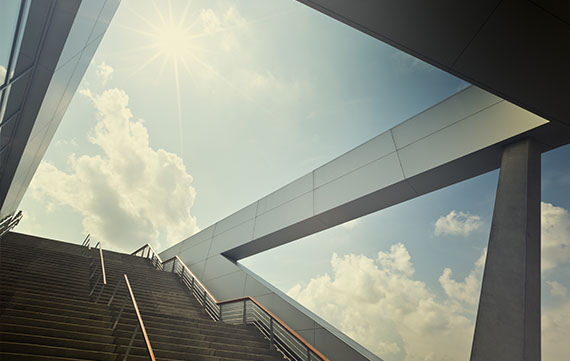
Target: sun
point(173, 41)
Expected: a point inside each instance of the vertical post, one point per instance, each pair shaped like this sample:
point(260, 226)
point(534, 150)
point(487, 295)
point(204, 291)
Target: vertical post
point(270, 332)
point(308, 354)
point(244, 312)
point(204, 301)
point(173, 265)
point(508, 318)
point(221, 319)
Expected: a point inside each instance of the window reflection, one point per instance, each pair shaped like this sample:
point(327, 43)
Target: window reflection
point(9, 10)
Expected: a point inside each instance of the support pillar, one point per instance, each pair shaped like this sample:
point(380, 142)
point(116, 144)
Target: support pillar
point(508, 318)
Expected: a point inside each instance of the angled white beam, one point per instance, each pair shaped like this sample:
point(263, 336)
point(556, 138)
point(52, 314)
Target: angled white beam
point(459, 138)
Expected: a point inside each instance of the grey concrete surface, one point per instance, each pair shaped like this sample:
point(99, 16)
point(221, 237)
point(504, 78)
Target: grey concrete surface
point(508, 318)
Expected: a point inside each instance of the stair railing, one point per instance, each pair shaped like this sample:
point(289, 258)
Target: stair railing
point(150, 254)
point(140, 325)
point(86, 245)
point(245, 310)
point(8, 223)
point(102, 275)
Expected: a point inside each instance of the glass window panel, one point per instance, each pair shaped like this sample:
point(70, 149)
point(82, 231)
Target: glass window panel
point(8, 21)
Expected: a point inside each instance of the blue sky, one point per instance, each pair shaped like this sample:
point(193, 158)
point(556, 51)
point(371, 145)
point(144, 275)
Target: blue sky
point(161, 141)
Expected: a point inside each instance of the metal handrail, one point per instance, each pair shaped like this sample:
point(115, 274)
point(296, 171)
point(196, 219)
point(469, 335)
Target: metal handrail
point(103, 276)
point(248, 310)
point(140, 324)
point(8, 223)
point(151, 254)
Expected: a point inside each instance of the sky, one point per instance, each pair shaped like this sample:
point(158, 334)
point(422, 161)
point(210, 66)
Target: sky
point(188, 113)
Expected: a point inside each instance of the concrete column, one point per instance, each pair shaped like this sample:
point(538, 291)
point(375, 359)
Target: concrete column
point(508, 318)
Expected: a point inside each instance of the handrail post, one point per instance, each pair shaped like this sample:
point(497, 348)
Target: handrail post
point(270, 332)
point(244, 312)
point(173, 265)
point(131, 343)
point(308, 354)
point(204, 301)
point(221, 304)
point(114, 292)
point(120, 313)
point(93, 290)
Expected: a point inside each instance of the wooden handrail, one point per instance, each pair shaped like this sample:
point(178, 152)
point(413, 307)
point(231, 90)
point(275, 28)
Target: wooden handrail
point(143, 247)
point(151, 248)
point(249, 298)
point(279, 321)
point(193, 275)
point(141, 324)
point(102, 264)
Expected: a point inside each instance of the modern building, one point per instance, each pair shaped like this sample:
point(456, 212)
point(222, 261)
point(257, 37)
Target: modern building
point(516, 53)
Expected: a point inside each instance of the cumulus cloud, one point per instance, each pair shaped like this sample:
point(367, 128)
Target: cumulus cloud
point(129, 194)
point(351, 224)
point(457, 224)
point(555, 234)
point(556, 331)
point(468, 290)
point(104, 72)
point(556, 289)
point(379, 303)
point(213, 23)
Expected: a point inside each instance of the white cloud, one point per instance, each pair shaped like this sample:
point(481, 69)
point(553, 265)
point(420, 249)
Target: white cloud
point(351, 224)
point(555, 234)
point(556, 289)
point(380, 304)
point(128, 195)
point(213, 23)
point(468, 290)
point(104, 72)
point(457, 224)
point(556, 332)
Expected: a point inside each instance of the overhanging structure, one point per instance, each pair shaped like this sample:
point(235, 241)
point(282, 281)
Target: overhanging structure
point(516, 49)
point(459, 138)
point(53, 44)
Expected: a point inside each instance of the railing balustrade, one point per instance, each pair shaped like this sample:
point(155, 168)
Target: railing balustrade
point(103, 279)
point(8, 223)
point(245, 310)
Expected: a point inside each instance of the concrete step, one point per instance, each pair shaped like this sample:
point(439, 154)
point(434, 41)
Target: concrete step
point(66, 326)
point(54, 351)
point(56, 341)
point(57, 333)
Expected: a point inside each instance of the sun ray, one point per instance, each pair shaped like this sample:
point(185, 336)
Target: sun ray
point(179, 105)
point(174, 44)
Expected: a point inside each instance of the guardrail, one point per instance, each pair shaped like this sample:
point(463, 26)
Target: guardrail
point(102, 275)
point(140, 325)
point(103, 280)
point(245, 310)
point(8, 223)
point(150, 254)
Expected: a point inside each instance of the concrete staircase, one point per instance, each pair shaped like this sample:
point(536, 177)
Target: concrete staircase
point(46, 312)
